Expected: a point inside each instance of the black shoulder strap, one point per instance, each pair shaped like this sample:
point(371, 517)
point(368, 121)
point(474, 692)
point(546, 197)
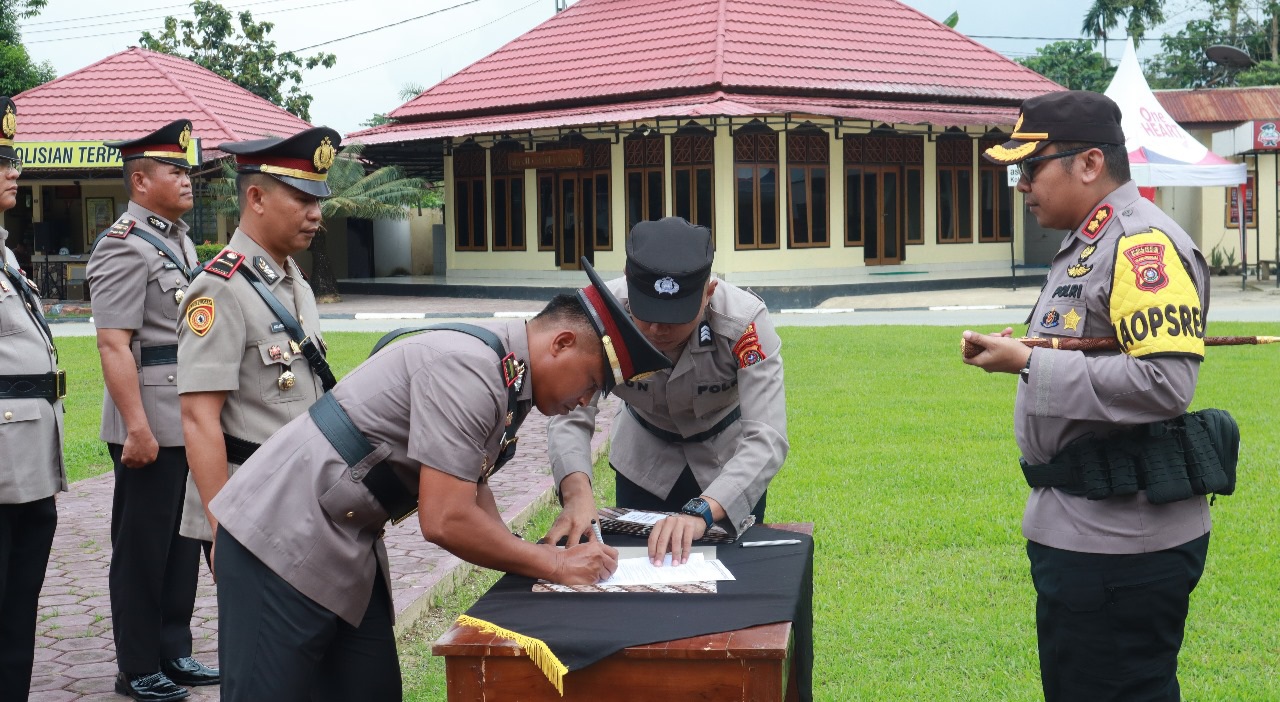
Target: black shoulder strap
point(512, 375)
point(34, 304)
point(314, 356)
point(188, 273)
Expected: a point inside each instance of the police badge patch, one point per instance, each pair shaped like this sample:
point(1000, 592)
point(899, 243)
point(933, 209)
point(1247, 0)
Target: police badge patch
point(200, 315)
point(666, 286)
point(1148, 266)
point(1051, 319)
point(748, 350)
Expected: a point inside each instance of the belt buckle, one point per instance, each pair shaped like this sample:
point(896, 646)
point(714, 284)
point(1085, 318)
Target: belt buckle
point(61, 383)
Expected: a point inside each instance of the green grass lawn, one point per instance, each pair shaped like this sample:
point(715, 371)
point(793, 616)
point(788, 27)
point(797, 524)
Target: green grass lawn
point(904, 459)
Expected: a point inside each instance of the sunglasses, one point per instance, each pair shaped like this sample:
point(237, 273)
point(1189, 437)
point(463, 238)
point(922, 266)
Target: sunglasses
point(14, 164)
point(1029, 166)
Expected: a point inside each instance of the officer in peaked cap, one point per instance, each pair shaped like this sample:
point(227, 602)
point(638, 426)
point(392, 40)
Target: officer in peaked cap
point(139, 270)
point(306, 609)
point(32, 470)
point(250, 350)
point(702, 439)
point(1125, 271)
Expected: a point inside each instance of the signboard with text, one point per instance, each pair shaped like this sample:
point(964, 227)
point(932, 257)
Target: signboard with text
point(78, 154)
point(1233, 204)
point(1266, 134)
point(552, 158)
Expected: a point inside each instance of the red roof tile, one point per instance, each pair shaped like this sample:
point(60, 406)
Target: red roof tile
point(718, 104)
point(609, 50)
point(130, 94)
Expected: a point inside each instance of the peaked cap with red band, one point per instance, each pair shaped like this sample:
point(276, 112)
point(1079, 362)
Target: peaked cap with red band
point(628, 355)
point(167, 144)
point(301, 161)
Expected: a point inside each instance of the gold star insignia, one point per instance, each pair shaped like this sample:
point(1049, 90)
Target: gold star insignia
point(1070, 320)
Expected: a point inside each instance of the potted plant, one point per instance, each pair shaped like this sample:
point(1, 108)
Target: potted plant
point(1215, 261)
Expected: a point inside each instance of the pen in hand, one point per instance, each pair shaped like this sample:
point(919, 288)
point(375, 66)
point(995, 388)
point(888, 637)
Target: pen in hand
point(780, 542)
point(595, 527)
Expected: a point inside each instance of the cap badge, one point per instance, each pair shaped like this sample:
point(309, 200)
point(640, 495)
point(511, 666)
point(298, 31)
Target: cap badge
point(666, 286)
point(324, 155)
point(1017, 126)
point(9, 123)
point(185, 137)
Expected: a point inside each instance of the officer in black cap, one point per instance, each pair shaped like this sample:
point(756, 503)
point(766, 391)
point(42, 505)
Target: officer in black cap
point(31, 457)
point(139, 271)
point(251, 356)
point(1113, 572)
point(702, 439)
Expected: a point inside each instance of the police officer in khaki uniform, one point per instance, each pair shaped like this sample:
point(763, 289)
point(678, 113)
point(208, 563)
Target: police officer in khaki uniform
point(704, 438)
point(139, 271)
point(31, 462)
point(303, 582)
point(251, 318)
point(1113, 574)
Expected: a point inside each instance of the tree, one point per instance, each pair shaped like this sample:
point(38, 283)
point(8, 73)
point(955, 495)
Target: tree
point(1073, 64)
point(358, 193)
point(408, 91)
point(18, 72)
point(239, 52)
point(1105, 15)
point(1182, 62)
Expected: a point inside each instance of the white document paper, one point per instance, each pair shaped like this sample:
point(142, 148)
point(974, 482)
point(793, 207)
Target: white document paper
point(639, 571)
point(643, 517)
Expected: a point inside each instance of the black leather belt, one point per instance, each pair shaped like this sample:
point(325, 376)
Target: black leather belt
point(239, 450)
point(48, 386)
point(674, 438)
point(351, 444)
point(160, 355)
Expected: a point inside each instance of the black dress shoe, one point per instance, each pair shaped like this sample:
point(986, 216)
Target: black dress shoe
point(189, 671)
point(149, 687)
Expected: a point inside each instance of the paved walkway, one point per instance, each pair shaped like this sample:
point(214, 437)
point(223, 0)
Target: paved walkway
point(75, 654)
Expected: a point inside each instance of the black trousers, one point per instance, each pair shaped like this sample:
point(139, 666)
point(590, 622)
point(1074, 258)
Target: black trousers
point(153, 568)
point(26, 535)
point(1110, 626)
point(275, 643)
point(628, 494)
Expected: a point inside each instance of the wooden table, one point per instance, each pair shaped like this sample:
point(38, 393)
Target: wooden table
point(751, 665)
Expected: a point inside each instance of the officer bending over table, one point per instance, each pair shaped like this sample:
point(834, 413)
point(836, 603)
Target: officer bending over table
point(704, 438)
point(303, 581)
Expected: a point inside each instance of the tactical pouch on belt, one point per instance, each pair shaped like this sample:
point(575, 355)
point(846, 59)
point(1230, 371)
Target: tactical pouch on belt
point(1194, 454)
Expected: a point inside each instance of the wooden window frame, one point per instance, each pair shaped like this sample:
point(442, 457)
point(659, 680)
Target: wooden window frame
point(469, 171)
point(858, 156)
point(948, 164)
point(644, 155)
point(809, 150)
point(752, 140)
point(699, 157)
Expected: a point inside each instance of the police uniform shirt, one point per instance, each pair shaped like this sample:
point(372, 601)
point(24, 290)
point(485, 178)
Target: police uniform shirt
point(31, 461)
point(1131, 273)
point(138, 288)
point(230, 341)
point(436, 399)
point(739, 363)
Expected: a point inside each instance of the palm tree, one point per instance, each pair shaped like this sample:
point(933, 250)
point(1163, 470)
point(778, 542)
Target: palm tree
point(358, 193)
point(1102, 17)
point(1144, 14)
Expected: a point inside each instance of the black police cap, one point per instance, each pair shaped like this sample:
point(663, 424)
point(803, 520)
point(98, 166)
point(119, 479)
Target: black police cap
point(628, 354)
point(167, 144)
point(301, 161)
point(668, 264)
point(1069, 115)
point(8, 128)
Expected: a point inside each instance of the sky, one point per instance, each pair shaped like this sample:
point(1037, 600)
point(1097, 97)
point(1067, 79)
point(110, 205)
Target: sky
point(433, 39)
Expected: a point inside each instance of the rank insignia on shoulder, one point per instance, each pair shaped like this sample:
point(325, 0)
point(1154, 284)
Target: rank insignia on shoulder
point(225, 264)
point(200, 315)
point(121, 229)
point(512, 372)
point(265, 269)
point(1098, 220)
point(748, 350)
point(704, 334)
point(158, 223)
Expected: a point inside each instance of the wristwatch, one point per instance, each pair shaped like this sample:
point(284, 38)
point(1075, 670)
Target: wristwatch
point(1025, 373)
point(698, 507)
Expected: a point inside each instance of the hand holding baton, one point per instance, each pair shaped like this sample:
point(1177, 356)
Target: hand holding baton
point(1107, 343)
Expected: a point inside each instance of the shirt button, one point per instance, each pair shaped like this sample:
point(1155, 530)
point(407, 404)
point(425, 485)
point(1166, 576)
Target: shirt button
point(350, 515)
point(8, 416)
point(170, 378)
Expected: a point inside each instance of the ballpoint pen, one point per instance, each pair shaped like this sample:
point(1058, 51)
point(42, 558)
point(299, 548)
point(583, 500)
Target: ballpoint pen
point(595, 526)
point(780, 542)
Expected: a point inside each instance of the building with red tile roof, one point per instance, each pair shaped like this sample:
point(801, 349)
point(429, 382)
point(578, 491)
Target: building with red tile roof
point(818, 138)
point(71, 187)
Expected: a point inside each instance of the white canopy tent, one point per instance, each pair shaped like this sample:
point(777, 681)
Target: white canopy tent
point(1160, 151)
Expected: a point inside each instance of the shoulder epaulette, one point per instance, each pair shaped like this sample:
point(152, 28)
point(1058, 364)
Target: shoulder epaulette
point(121, 228)
point(225, 263)
point(1098, 220)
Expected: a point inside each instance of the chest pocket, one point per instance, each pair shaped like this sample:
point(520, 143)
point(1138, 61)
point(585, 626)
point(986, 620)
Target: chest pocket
point(271, 377)
point(711, 396)
point(1060, 317)
point(12, 309)
point(167, 283)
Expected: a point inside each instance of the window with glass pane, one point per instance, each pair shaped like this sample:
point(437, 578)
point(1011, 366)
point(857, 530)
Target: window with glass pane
point(807, 162)
point(603, 232)
point(546, 212)
point(469, 196)
point(955, 189)
point(692, 158)
point(756, 191)
point(853, 207)
point(995, 218)
point(645, 159)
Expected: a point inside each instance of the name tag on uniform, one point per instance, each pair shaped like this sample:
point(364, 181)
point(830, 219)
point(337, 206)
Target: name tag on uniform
point(170, 265)
point(277, 327)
